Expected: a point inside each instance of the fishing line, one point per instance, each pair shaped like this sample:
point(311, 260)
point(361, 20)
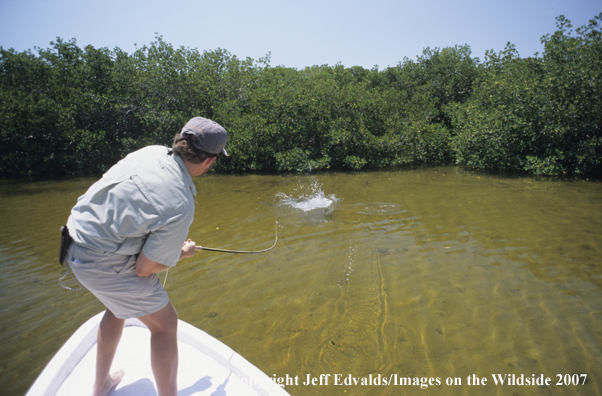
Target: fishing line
point(201, 248)
point(72, 277)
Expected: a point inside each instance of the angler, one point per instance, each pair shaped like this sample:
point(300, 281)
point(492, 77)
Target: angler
point(130, 225)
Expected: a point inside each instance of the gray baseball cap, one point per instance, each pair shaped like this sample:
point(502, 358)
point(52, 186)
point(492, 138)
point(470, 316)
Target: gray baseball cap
point(206, 135)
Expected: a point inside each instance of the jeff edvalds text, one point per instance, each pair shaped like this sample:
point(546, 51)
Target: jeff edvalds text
point(425, 382)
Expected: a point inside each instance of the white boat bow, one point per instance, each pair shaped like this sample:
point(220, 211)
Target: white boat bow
point(206, 365)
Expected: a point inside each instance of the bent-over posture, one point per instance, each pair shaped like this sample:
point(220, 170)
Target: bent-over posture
point(132, 224)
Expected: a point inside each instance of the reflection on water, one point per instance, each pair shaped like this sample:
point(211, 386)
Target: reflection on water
point(435, 272)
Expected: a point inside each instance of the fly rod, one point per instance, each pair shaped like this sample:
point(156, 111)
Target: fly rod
point(200, 248)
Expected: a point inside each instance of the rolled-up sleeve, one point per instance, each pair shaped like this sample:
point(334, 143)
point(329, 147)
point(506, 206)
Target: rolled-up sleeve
point(164, 244)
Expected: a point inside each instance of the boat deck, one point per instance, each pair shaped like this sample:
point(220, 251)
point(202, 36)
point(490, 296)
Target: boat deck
point(206, 366)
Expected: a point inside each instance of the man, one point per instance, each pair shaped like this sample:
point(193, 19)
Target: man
point(131, 225)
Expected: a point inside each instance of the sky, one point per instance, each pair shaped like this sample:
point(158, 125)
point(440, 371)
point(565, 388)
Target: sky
point(296, 33)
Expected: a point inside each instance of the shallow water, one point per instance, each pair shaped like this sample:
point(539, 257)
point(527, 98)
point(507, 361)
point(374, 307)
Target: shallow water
point(430, 273)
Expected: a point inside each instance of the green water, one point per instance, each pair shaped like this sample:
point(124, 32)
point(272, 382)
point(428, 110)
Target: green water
point(430, 273)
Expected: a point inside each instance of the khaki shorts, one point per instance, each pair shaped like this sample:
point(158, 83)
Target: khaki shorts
point(113, 280)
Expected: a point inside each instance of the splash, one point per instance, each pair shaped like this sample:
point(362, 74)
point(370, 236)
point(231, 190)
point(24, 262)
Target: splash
point(318, 201)
point(315, 199)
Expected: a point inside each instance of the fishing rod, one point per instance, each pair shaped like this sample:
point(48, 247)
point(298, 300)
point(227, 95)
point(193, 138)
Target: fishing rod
point(197, 248)
point(200, 248)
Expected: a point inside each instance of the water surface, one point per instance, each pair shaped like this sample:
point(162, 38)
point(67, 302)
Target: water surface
point(428, 273)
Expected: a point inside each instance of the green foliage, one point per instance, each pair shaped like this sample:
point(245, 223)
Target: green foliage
point(539, 115)
point(69, 110)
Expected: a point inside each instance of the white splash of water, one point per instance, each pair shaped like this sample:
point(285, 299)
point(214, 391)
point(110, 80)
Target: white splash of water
point(315, 199)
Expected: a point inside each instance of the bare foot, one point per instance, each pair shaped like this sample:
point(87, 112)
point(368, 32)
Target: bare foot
point(110, 383)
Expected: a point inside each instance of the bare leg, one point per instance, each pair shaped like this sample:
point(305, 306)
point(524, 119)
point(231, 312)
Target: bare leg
point(109, 334)
point(163, 325)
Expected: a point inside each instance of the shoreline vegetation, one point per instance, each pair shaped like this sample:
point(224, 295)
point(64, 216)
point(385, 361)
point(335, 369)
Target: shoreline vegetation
point(71, 111)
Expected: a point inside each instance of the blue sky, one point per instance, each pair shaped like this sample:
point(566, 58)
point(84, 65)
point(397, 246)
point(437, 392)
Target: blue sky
point(297, 33)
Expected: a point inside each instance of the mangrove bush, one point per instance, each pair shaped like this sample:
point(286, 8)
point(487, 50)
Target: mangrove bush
point(67, 110)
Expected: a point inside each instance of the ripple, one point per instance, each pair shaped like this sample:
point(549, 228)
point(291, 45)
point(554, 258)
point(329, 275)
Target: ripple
point(381, 209)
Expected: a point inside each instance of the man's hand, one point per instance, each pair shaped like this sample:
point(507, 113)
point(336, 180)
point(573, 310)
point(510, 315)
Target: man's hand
point(188, 249)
